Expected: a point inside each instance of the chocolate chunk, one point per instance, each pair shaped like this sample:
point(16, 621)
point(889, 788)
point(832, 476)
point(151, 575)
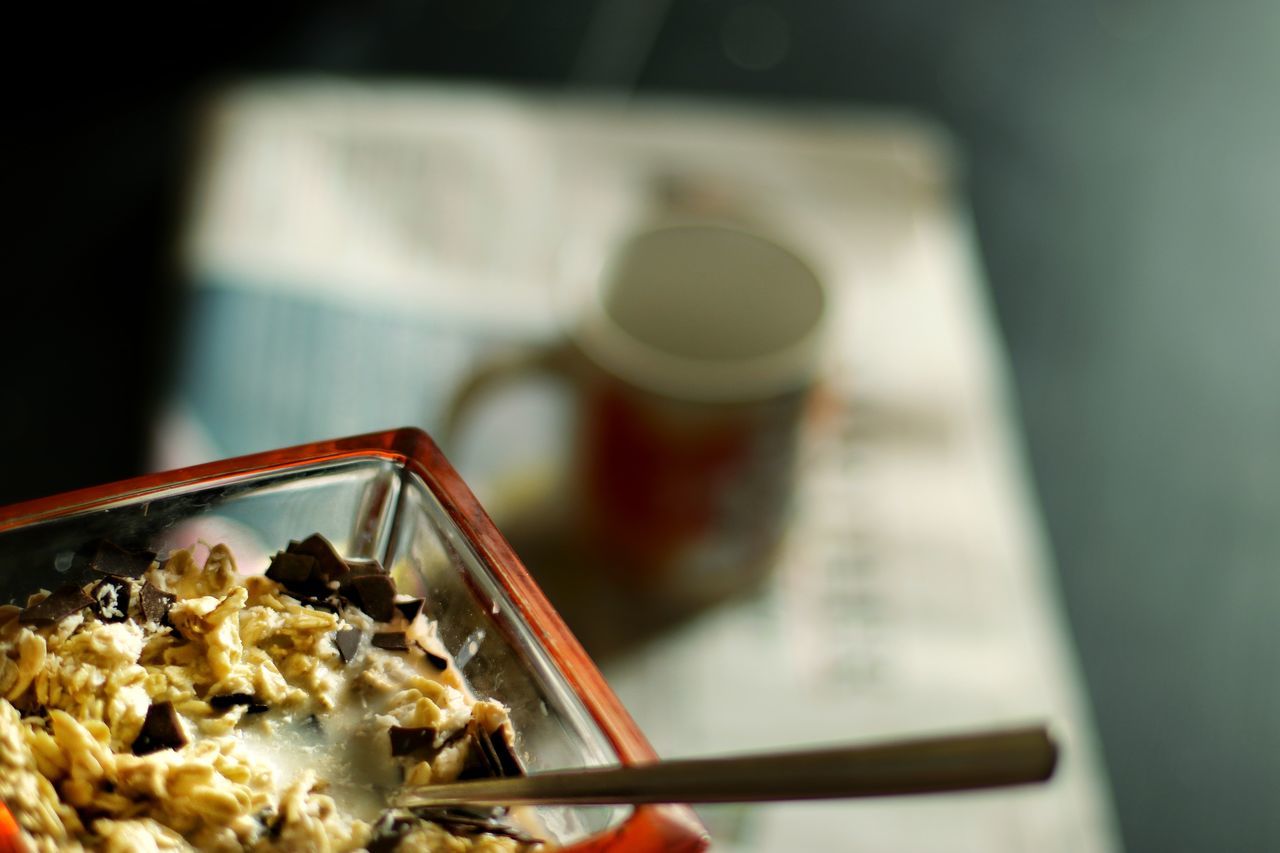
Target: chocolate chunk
point(348, 641)
point(111, 599)
point(413, 740)
point(329, 564)
point(111, 559)
point(291, 570)
point(368, 586)
point(300, 574)
point(258, 708)
point(360, 569)
point(392, 641)
point(155, 603)
point(59, 604)
point(412, 608)
point(364, 568)
point(434, 659)
point(161, 730)
point(375, 595)
point(230, 700)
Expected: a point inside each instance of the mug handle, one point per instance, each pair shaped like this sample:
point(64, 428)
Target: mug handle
point(499, 371)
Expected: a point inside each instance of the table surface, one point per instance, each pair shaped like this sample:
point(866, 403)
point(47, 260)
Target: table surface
point(915, 593)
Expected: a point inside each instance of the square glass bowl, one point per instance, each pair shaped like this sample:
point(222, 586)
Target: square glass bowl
point(392, 496)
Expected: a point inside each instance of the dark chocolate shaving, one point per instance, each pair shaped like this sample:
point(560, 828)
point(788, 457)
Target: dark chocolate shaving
point(411, 608)
point(329, 564)
point(500, 742)
point(348, 641)
point(462, 820)
point(58, 605)
point(393, 825)
point(375, 594)
point(111, 559)
point(230, 700)
point(480, 763)
point(440, 663)
point(475, 767)
point(392, 641)
point(485, 740)
point(161, 730)
point(155, 603)
point(413, 740)
point(111, 599)
point(489, 754)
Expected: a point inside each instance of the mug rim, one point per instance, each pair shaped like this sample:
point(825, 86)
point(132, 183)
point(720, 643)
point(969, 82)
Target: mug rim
point(587, 322)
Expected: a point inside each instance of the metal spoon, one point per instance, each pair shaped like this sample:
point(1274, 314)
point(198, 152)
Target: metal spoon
point(916, 766)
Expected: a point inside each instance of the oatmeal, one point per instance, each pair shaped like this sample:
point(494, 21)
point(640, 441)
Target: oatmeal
point(183, 706)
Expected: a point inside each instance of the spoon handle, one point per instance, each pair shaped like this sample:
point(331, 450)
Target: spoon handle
point(917, 766)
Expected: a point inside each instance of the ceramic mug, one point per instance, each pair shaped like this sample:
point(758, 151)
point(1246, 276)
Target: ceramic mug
point(691, 351)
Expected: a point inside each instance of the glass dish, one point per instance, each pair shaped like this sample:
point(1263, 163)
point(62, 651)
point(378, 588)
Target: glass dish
point(392, 496)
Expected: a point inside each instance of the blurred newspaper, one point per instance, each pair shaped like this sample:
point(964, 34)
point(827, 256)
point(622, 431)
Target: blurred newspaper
point(371, 241)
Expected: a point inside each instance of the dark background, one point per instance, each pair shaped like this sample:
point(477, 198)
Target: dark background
point(1124, 174)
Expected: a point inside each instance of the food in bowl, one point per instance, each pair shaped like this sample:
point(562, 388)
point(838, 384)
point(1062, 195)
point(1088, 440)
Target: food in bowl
point(177, 704)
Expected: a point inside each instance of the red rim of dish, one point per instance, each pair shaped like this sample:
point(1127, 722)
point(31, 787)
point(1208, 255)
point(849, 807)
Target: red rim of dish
point(672, 828)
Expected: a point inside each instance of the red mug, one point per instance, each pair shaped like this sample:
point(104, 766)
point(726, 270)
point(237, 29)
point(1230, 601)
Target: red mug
point(692, 351)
